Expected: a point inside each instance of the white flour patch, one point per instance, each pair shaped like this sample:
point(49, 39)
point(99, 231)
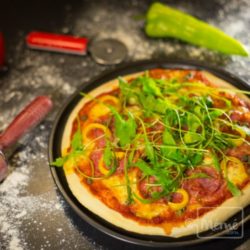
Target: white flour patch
point(17, 205)
point(28, 209)
point(10, 207)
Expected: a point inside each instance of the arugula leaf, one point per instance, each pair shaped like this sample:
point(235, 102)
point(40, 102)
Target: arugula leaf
point(124, 87)
point(131, 156)
point(150, 87)
point(208, 101)
point(152, 104)
point(170, 118)
point(76, 143)
point(149, 149)
point(145, 168)
point(59, 162)
point(125, 130)
point(193, 122)
point(108, 155)
point(196, 158)
point(128, 92)
point(216, 113)
point(162, 175)
point(190, 137)
point(171, 87)
point(173, 154)
point(216, 162)
point(77, 148)
point(233, 189)
point(168, 138)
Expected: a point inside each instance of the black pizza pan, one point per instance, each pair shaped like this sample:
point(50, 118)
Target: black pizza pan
point(97, 222)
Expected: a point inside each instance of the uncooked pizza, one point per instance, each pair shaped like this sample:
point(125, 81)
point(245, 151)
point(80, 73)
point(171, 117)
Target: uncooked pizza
point(160, 152)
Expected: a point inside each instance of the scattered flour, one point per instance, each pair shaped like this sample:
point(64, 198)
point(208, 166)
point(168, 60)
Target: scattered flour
point(15, 206)
point(11, 206)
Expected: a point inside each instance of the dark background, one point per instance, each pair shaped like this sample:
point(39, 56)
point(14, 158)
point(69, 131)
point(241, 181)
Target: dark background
point(33, 73)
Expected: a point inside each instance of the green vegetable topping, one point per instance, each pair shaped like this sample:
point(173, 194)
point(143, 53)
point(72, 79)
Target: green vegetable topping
point(165, 128)
point(125, 129)
point(77, 149)
point(233, 189)
point(163, 21)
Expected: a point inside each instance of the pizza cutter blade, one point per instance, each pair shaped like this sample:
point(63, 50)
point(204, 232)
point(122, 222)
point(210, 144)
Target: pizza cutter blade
point(108, 51)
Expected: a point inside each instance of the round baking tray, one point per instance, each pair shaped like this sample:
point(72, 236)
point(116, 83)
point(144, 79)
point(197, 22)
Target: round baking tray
point(101, 224)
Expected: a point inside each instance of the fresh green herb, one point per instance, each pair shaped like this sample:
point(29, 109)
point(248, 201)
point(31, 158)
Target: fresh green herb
point(233, 189)
point(150, 87)
point(216, 162)
point(163, 176)
point(108, 155)
point(125, 129)
point(77, 143)
point(77, 149)
point(152, 105)
point(149, 150)
point(109, 159)
point(59, 162)
point(196, 158)
point(128, 186)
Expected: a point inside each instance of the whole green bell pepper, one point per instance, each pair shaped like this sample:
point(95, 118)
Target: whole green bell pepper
point(163, 21)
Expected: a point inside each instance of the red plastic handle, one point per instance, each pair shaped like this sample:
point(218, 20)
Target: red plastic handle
point(32, 115)
point(1, 50)
point(57, 42)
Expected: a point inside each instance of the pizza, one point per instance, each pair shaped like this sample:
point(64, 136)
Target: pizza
point(160, 152)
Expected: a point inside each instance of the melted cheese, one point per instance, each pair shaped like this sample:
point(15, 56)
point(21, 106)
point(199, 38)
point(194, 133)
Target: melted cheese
point(69, 166)
point(117, 184)
point(149, 211)
point(234, 169)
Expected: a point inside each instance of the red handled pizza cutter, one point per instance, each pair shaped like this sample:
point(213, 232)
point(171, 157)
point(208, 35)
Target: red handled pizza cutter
point(28, 118)
point(105, 51)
